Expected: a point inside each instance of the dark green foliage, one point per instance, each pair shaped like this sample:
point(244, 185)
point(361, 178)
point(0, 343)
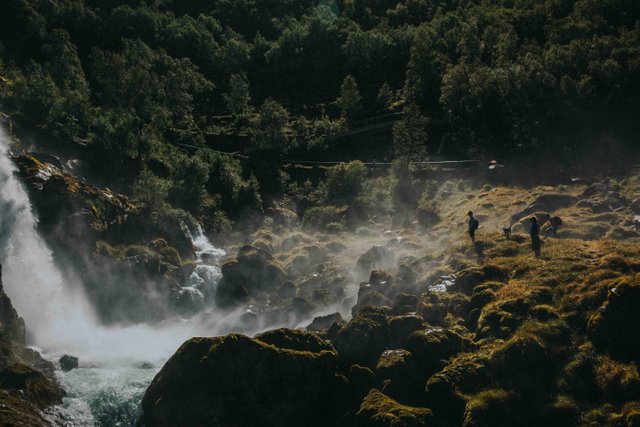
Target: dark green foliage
point(124, 83)
point(345, 181)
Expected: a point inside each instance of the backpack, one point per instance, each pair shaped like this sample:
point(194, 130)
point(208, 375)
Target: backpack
point(474, 224)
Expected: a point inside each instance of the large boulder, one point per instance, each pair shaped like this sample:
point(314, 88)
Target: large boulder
point(432, 347)
point(68, 362)
point(254, 270)
point(239, 381)
point(363, 339)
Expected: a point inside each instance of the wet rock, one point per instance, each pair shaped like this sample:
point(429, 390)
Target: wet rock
point(363, 339)
point(325, 322)
point(68, 362)
point(36, 388)
point(236, 380)
point(378, 410)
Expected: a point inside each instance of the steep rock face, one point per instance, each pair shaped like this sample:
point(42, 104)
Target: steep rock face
point(239, 381)
point(105, 236)
point(12, 338)
point(83, 209)
point(23, 389)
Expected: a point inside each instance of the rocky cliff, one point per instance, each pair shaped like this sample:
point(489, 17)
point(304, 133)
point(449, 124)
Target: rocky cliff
point(27, 383)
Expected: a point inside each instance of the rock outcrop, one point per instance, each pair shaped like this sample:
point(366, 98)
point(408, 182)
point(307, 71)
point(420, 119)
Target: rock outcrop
point(27, 382)
point(239, 381)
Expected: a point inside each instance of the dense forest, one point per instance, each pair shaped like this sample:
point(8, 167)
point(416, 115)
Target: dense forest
point(144, 91)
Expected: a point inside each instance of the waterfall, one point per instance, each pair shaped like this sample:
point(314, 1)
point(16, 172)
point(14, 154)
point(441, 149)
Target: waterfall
point(59, 318)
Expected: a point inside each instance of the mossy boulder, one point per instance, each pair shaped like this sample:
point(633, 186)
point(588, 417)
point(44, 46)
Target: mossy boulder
point(467, 279)
point(495, 407)
point(239, 381)
point(325, 322)
point(68, 362)
point(363, 339)
point(432, 347)
point(401, 327)
point(378, 410)
point(396, 376)
point(253, 269)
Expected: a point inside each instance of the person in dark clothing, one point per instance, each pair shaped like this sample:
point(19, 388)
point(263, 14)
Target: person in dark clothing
point(473, 226)
point(554, 223)
point(535, 236)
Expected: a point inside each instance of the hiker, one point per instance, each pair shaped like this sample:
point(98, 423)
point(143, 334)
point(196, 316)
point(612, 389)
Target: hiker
point(535, 236)
point(473, 226)
point(507, 232)
point(554, 223)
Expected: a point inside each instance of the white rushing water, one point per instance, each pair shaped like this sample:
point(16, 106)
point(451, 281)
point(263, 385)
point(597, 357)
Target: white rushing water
point(117, 363)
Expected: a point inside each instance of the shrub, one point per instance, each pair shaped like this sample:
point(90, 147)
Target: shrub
point(345, 181)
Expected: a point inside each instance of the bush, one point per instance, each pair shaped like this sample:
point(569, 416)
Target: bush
point(320, 216)
point(345, 181)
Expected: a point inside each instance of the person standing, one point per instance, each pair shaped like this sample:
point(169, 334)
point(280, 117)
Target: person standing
point(473, 226)
point(535, 236)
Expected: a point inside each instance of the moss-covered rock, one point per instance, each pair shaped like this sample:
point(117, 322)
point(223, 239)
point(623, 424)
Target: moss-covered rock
point(432, 347)
point(381, 411)
point(325, 322)
point(495, 407)
point(237, 381)
point(401, 327)
point(363, 339)
point(253, 269)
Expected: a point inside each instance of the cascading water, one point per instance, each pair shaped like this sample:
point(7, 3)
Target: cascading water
point(117, 364)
